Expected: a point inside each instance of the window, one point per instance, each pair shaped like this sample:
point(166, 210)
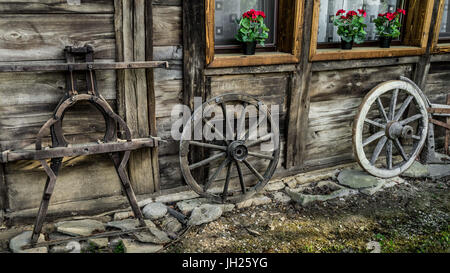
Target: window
point(328, 32)
point(413, 40)
point(444, 33)
point(284, 18)
point(228, 11)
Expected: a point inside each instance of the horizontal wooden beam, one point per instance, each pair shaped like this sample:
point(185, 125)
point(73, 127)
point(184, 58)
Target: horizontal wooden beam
point(251, 70)
point(47, 67)
point(351, 64)
point(85, 149)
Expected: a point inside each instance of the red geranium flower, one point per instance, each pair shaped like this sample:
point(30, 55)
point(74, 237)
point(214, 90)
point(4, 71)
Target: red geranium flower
point(351, 13)
point(402, 11)
point(339, 12)
point(362, 12)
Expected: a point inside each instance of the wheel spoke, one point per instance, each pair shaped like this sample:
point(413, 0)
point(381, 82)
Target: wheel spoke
point(206, 161)
point(229, 131)
point(399, 148)
point(411, 119)
point(381, 108)
point(260, 140)
point(241, 177)
point(253, 170)
point(374, 123)
point(389, 154)
point(214, 176)
point(416, 137)
point(227, 182)
point(207, 123)
point(255, 127)
point(207, 145)
point(241, 125)
point(393, 104)
point(377, 151)
point(403, 108)
point(261, 155)
point(372, 138)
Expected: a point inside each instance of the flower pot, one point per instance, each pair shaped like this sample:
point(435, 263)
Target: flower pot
point(346, 45)
point(249, 48)
point(385, 42)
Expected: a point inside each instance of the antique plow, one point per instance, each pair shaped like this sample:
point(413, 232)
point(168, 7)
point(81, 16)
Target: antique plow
point(393, 124)
point(81, 59)
point(236, 151)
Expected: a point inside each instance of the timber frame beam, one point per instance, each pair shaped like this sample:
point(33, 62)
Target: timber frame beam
point(437, 47)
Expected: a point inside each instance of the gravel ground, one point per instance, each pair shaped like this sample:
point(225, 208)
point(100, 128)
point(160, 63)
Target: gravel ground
point(411, 217)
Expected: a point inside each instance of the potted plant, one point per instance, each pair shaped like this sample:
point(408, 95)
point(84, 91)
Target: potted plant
point(252, 30)
point(350, 27)
point(388, 26)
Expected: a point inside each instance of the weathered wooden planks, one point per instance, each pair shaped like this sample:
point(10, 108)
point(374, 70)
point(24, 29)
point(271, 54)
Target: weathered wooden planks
point(56, 6)
point(30, 37)
point(167, 26)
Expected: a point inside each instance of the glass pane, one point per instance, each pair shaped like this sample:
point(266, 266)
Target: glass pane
point(227, 11)
point(445, 25)
point(328, 8)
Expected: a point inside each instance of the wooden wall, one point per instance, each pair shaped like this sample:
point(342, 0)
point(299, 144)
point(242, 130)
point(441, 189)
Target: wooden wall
point(322, 97)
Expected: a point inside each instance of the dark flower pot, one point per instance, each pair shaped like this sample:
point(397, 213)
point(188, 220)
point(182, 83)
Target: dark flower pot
point(346, 45)
point(385, 42)
point(249, 48)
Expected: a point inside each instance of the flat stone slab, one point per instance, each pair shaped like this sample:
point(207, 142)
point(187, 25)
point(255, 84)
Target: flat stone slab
point(188, 206)
point(136, 247)
point(304, 199)
point(204, 214)
point(357, 179)
point(171, 224)
point(417, 170)
point(154, 211)
point(254, 201)
point(276, 186)
point(99, 242)
point(24, 238)
point(80, 227)
point(152, 235)
point(123, 215)
point(128, 224)
point(438, 171)
point(281, 197)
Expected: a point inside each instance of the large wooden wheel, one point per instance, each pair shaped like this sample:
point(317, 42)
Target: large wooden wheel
point(390, 128)
point(235, 164)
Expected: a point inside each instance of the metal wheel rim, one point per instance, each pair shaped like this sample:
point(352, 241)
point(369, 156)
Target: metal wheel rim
point(358, 126)
point(184, 151)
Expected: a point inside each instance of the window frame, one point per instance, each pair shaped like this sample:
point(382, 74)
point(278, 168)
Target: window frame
point(437, 47)
point(288, 52)
point(414, 39)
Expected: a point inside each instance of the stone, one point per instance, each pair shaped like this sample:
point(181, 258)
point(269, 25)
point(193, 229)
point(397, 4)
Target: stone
point(123, 215)
point(255, 201)
point(171, 224)
point(291, 183)
point(357, 179)
point(281, 197)
point(128, 224)
point(24, 238)
point(154, 211)
point(136, 247)
point(417, 170)
point(304, 199)
point(80, 227)
point(187, 206)
point(152, 235)
point(275, 186)
point(373, 190)
point(204, 214)
point(373, 247)
point(99, 242)
point(227, 207)
point(438, 171)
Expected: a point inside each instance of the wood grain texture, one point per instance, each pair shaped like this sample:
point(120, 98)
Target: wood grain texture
point(29, 37)
point(167, 25)
point(56, 6)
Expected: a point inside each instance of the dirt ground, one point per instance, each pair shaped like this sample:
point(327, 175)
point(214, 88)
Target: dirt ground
point(411, 217)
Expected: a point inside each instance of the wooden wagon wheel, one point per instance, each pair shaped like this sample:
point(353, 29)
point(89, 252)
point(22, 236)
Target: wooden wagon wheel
point(233, 154)
point(392, 116)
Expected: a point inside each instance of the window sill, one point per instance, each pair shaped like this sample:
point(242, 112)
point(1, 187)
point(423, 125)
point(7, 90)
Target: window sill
point(260, 58)
point(442, 48)
point(364, 53)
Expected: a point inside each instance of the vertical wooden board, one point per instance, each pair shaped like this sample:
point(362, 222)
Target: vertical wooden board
point(438, 82)
point(80, 178)
point(167, 25)
point(37, 37)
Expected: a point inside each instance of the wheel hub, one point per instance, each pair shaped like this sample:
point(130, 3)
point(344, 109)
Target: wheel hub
point(237, 150)
point(395, 130)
